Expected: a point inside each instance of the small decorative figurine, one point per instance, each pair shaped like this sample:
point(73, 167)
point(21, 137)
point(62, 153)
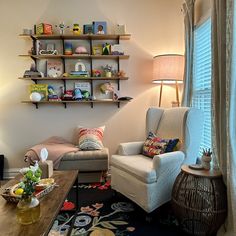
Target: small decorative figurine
point(106, 88)
point(62, 27)
point(76, 29)
point(81, 50)
point(206, 159)
point(68, 48)
point(107, 70)
point(97, 73)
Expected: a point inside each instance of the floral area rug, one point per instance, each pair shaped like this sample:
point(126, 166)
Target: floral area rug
point(102, 213)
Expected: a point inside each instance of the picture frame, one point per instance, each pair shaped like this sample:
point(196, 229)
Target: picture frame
point(88, 29)
point(54, 68)
point(97, 50)
point(120, 29)
point(100, 27)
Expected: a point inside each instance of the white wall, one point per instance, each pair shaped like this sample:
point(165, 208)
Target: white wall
point(156, 27)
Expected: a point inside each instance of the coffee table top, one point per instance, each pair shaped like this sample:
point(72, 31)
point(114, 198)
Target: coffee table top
point(50, 206)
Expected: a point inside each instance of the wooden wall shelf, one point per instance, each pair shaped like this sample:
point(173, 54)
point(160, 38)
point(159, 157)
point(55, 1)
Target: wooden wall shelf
point(104, 101)
point(79, 37)
point(89, 57)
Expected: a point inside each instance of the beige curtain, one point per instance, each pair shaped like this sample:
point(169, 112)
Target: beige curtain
point(188, 11)
point(224, 101)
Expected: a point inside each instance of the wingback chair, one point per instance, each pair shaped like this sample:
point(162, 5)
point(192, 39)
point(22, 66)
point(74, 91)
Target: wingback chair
point(149, 181)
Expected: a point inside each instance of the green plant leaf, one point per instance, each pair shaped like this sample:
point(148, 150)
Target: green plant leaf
point(107, 225)
point(119, 222)
point(95, 220)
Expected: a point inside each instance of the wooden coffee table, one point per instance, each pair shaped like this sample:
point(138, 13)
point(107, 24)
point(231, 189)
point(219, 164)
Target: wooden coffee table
point(50, 206)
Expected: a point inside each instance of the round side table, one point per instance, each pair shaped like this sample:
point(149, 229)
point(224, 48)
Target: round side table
point(199, 200)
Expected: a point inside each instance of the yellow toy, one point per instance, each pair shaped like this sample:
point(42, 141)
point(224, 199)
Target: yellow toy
point(76, 29)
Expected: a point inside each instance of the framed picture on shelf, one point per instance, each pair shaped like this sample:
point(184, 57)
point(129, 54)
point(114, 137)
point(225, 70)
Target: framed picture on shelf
point(100, 27)
point(54, 68)
point(97, 50)
point(88, 29)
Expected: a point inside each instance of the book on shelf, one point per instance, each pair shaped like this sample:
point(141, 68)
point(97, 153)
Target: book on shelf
point(42, 89)
point(54, 68)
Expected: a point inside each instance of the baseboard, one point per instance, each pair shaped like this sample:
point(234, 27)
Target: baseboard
point(10, 173)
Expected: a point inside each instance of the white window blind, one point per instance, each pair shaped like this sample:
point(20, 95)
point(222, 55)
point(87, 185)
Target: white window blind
point(202, 78)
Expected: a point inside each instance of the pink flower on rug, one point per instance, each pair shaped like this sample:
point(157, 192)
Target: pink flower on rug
point(98, 205)
point(130, 229)
point(86, 209)
point(94, 213)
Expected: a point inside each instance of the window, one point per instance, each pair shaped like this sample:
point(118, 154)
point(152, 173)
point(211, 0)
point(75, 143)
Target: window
point(202, 78)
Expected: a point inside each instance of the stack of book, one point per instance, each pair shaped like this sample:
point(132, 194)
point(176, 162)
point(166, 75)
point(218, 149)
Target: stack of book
point(79, 73)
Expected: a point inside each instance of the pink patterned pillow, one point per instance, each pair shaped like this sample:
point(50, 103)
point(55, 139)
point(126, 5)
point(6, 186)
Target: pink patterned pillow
point(90, 138)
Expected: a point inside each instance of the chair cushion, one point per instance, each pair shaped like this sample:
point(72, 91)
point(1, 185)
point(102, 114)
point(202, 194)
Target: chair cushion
point(155, 145)
point(139, 166)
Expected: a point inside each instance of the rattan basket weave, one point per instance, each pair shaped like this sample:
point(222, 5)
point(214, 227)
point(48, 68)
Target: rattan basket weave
point(199, 203)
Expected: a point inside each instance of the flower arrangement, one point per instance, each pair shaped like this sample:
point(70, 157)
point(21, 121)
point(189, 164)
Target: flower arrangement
point(31, 176)
point(107, 68)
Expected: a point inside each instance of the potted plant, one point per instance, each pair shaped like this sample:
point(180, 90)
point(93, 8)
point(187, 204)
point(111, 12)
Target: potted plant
point(206, 159)
point(28, 208)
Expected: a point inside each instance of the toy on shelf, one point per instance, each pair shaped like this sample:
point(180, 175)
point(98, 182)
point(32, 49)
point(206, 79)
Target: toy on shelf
point(97, 73)
point(117, 49)
point(107, 70)
point(106, 50)
point(80, 70)
point(107, 87)
point(62, 27)
point(68, 95)
point(49, 51)
point(81, 50)
point(68, 48)
point(52, 95)
point(32, 72)
point(82, 91)
point(121, 73)
point(76, 29)
point(43, 28)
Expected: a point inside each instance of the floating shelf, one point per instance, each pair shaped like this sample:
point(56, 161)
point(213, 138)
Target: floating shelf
point(81, 56)
point(108, 101)
point(75, 78)
point(82, 36)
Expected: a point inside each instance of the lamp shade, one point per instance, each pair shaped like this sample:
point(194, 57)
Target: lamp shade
point(168, 68)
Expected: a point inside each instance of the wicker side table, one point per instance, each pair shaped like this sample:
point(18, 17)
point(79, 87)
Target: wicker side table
point(199, 200)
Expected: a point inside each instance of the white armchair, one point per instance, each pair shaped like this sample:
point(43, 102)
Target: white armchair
point(149, 181)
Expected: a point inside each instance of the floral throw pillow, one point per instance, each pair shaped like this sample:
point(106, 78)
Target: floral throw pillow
point(155, 145)
point(90, 138)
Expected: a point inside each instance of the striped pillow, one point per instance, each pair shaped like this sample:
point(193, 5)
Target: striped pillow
point(90, 138)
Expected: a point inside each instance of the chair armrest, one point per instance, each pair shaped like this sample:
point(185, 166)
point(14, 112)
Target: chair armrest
point(167, 162)
point(131, 148)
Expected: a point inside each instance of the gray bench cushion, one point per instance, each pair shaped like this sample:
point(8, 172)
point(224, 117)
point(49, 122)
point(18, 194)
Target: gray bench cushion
point(85, 161)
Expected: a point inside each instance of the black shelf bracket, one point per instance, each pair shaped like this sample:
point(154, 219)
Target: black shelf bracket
point(36, 105)
point(118, 104)
point(65, 104)
point(91, 103)
point(118, 84)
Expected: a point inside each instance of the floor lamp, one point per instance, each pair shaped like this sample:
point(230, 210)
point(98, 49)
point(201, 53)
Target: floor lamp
point(168, 69)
